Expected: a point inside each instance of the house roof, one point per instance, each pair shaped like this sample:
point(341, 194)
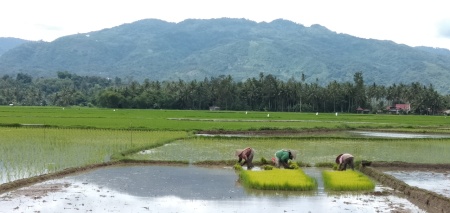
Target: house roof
point(399, 107)
point(403, 106)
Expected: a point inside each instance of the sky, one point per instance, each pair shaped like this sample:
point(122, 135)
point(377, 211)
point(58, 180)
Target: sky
point(410, 22)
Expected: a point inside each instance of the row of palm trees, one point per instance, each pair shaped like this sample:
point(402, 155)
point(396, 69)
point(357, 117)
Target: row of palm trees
point(271, 94)
point(263, 93)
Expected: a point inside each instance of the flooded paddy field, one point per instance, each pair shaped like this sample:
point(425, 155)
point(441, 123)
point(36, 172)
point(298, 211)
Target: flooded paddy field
point(435, 181)
point(152, 188)
point(426, 185)
point(398, 135)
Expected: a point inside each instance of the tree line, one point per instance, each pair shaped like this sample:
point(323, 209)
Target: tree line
point(264, 93)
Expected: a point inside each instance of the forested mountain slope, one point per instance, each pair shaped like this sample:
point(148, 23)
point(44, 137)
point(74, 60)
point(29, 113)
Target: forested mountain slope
point(9, 43)
point(195, 49)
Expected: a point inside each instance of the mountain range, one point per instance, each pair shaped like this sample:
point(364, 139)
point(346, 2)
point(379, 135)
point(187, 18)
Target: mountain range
point(195, 49)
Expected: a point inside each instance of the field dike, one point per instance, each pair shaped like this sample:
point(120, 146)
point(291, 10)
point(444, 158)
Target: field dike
point(430, 201)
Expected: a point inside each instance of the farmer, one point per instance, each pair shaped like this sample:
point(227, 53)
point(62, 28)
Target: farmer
point(246, 155)
point(282, 157)
point(343, 160)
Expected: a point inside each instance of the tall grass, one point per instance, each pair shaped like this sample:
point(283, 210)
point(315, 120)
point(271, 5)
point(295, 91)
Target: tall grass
point(26, 152)
point(346, 181)
point(277, 179)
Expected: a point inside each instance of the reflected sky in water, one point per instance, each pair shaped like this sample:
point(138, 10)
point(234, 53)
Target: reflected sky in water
point(438, 182)
point(187, 189)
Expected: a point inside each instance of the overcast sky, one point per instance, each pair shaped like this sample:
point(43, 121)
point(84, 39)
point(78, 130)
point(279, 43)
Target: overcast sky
point(410, 22)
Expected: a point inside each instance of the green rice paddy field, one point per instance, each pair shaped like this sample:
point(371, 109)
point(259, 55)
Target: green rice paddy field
point(39, 140)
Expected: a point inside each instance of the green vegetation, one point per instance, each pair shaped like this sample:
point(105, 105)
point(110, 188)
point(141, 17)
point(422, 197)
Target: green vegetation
point(346, 181)
point(262, 95)
point(308, 124)
point(26, 152)
point(240, 48)
point(277, 179)
point(310, 150)
point(39, 140)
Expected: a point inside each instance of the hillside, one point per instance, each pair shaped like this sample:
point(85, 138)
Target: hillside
point(195, 49)
point(9, 43)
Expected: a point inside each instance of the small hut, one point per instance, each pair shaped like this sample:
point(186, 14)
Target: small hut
point(214, 108)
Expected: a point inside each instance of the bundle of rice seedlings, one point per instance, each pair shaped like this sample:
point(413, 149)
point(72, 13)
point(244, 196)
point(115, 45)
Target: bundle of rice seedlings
point(278, 179)
point(237, 167)
point(293, 165)
point(347, 181)
point(267, 167)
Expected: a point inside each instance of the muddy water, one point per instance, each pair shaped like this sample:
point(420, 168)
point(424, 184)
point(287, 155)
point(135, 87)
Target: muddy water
point(438, 182)
point(186, 189)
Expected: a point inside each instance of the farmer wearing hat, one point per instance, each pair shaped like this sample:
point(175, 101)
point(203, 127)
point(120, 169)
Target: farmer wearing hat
point(283, 156)
point(343, 160)
point(246, 155)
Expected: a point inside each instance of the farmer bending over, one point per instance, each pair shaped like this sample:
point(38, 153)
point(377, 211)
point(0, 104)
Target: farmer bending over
point(282, 157)
point(247, 155)
point(343, 160)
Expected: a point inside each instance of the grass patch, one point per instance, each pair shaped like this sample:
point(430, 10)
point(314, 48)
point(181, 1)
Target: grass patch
point(277, 179)
point(347, 181)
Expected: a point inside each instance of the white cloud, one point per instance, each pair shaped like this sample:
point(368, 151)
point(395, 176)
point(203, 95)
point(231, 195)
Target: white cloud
point(411, 22)
point(444, 29)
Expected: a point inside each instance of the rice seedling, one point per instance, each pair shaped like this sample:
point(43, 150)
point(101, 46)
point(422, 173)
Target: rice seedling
point(325, 164)
point(277, 179)
point(347, 181)
point(267, 167)
point(186, 120)
point(310, 150)
point(237, 167)
point(26, 152)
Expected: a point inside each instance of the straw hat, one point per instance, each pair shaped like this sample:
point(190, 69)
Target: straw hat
point(238, 152)
point(337, 158)
point(294, 154)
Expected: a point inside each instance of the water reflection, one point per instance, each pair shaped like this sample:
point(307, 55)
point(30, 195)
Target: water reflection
point(188, 189)
point(438, 182)
point(397, 135)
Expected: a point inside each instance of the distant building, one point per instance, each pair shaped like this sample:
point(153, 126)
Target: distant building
point(214, 108)
point(399, 108)
point(361, 110)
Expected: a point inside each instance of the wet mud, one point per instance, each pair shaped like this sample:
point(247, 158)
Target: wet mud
point(426, 199)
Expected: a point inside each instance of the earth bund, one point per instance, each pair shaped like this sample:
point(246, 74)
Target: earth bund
point(431, 201)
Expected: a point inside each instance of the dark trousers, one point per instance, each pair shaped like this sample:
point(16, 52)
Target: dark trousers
point(348, 161)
